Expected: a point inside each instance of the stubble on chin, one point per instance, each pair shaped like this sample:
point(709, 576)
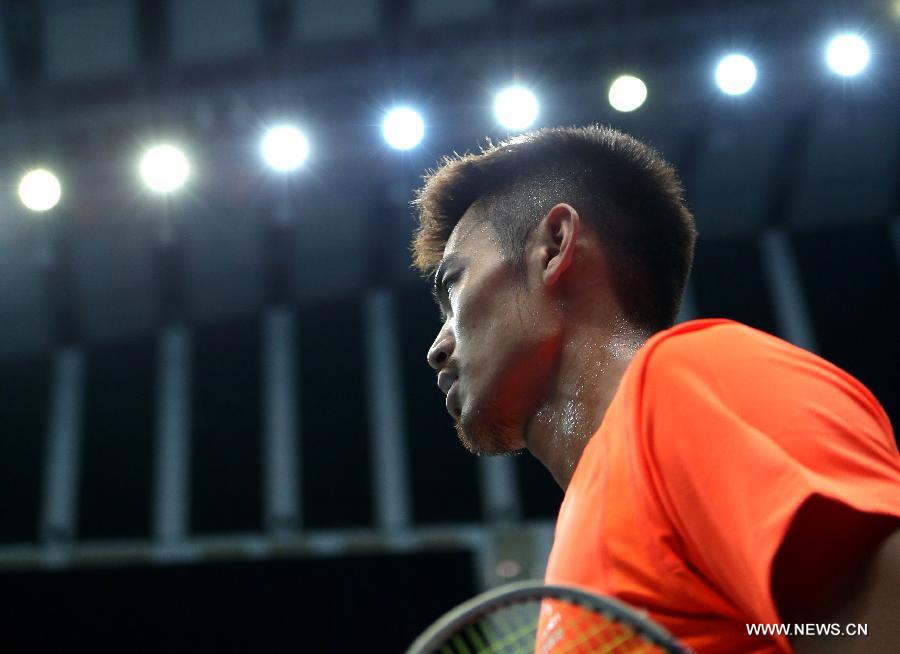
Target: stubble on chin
point(489, 439)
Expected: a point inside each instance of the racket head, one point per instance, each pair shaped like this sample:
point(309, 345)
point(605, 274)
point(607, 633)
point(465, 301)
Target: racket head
point(533, 617)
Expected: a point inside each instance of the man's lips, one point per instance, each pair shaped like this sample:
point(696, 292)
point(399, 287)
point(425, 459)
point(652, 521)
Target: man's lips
point(451, 400)
point(448, 381)
point(445, 380)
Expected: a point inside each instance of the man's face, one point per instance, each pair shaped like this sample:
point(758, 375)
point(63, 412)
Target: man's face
point(491, 353)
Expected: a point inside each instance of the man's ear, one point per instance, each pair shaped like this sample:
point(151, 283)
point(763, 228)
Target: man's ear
point(555, 238)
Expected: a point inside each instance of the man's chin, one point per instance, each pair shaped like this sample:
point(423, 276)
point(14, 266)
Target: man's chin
point(486, 440)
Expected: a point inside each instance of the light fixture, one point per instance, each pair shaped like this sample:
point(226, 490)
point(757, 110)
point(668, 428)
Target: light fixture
point(627, 93)
point(735, 74)
point(847, 54)
point(39, 190)
point(516, 108)
point(164, 168)
point(284, 148)
point(403, 128)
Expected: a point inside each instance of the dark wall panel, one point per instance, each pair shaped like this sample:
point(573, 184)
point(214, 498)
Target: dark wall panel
point(24, 392)
point(728, 282)
point(374, 603)
point(539, 492)
point(444, 479)
point(117, 445)
point(851, 278)
point(337, 483)
point(226, 493)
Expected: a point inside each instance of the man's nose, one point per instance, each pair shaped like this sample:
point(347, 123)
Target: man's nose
point(441, 349)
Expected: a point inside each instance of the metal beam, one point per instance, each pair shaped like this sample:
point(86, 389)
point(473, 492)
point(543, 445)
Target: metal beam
point(895, 233)
point(237, 547)
point(390, 466)
point(688, 309)
point(783, 278)
point(281, 469)
point(499, 493)
point(63, 455)
point(173, 429)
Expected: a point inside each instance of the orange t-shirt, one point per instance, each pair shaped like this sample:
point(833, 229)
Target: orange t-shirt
point(717, 435)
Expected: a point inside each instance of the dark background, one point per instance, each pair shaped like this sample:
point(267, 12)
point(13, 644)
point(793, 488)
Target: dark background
point(806, 159)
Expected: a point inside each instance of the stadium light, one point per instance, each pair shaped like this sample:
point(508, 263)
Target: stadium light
point(847, 54)
point(627, 93)
point(39, 190)
point(284, 148)
point(735, 74)
point(164, 168)
point(516, 107)
point(403, 128)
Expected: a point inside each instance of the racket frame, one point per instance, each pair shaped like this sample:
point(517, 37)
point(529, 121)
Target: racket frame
point(486, 603)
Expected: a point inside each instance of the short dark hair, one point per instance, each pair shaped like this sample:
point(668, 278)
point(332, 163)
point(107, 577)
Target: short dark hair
point(620, 186)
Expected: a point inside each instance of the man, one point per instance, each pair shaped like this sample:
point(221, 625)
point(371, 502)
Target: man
point(714, 476)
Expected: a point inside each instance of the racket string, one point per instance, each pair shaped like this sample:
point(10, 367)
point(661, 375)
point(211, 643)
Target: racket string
point(534, 618)
point(527, 628)
point(595, 633)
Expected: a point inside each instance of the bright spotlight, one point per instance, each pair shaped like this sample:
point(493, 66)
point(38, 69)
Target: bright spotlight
point(164, 168)
point(847, 54)
point(516, 107)
point(285, 148)
point(735, 74)
point(403, 128)
point(627, 93)
point(39, 190)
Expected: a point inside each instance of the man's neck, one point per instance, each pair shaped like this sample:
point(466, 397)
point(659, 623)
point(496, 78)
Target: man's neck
point(592, 362)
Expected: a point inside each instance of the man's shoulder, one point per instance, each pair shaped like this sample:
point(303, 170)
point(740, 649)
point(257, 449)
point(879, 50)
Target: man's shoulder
point(735, 363)
point(716, 342)
point(750, 371)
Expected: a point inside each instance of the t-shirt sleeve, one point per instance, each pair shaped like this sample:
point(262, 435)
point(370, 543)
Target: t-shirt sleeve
point(739, 430)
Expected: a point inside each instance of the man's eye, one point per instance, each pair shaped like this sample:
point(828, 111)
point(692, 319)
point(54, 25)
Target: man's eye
point(450, 282)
